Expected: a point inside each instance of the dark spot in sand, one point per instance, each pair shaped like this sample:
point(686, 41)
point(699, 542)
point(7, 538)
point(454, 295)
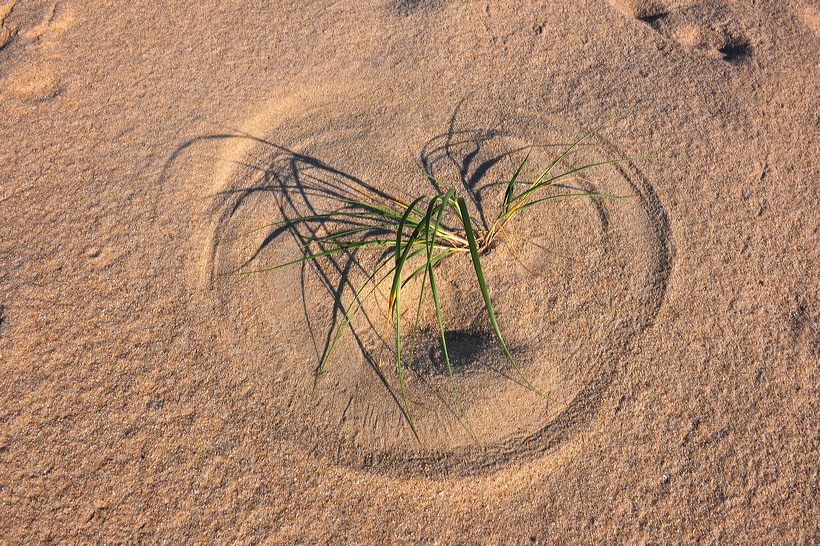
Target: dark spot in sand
point(464, 347)
point(653, 20)
point(735, 50)
point(798, 318)
point(406, 8)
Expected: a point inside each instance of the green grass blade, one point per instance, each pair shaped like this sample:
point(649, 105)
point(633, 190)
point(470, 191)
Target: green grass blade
point(588, 134)
point(358, 302)
point(425, 227)
point(531, 203)
point(508, 195)
point(340, 248)
point(431, 238)
point(394, 305)
point(300, 220)
point(344, 233)
point(551, 181)
point(482, 283)
point(420, 271)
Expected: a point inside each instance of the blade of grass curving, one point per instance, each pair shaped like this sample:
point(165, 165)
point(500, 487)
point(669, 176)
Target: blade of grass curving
point(416, 273)
point(430, 241)
point(508, 195)
point(425, 227)
point(435, 181)
point(353, 231)
point(436, 207)
point(385, 210)
point(551, 181)
point(340, 191)
point(340, 248)
point(588, 134)
point(302, 219)
point(420, 271)
point(482, 283)
point(394, 305)
point(530, 148)
point(531, 203)
point(401, 253)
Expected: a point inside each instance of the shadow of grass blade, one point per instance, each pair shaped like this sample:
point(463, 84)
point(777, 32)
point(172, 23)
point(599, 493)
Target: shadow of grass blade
point(350, 312)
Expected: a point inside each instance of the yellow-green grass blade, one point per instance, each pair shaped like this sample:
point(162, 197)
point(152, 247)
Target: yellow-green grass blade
point(385, 210)
point(508, 195)
point(588, 134)
point(301, 220)
point(340, 248)
point(519, 199)
point(420, 271)
point(607, 195)
point(362, 229)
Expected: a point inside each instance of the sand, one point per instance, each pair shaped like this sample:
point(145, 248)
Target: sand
point(146, 398)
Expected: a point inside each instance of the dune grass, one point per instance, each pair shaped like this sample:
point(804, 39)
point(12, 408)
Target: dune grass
point(411, 238)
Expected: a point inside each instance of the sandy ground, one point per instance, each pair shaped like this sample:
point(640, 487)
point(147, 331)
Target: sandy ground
point(145, 398)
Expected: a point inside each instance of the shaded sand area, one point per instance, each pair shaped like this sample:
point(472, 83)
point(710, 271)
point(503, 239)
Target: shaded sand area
point(146, 397)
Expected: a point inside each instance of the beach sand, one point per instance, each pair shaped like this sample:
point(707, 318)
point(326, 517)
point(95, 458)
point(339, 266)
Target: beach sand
point(144, 397)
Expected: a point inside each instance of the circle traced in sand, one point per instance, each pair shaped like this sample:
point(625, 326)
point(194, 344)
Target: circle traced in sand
point(572, 280)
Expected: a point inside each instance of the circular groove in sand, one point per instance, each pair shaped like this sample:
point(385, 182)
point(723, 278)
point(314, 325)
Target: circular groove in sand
point(569, 303)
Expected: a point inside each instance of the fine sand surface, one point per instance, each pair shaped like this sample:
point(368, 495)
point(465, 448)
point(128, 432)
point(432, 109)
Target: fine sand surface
point(146, 397)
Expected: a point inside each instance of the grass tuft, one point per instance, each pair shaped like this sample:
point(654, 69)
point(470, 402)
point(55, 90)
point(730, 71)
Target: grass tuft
point(411, 239)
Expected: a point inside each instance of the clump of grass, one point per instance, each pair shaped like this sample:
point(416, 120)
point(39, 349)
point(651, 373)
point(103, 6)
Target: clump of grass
point(412, 238)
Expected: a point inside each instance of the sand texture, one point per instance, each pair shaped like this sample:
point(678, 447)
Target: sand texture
point(145, 396)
